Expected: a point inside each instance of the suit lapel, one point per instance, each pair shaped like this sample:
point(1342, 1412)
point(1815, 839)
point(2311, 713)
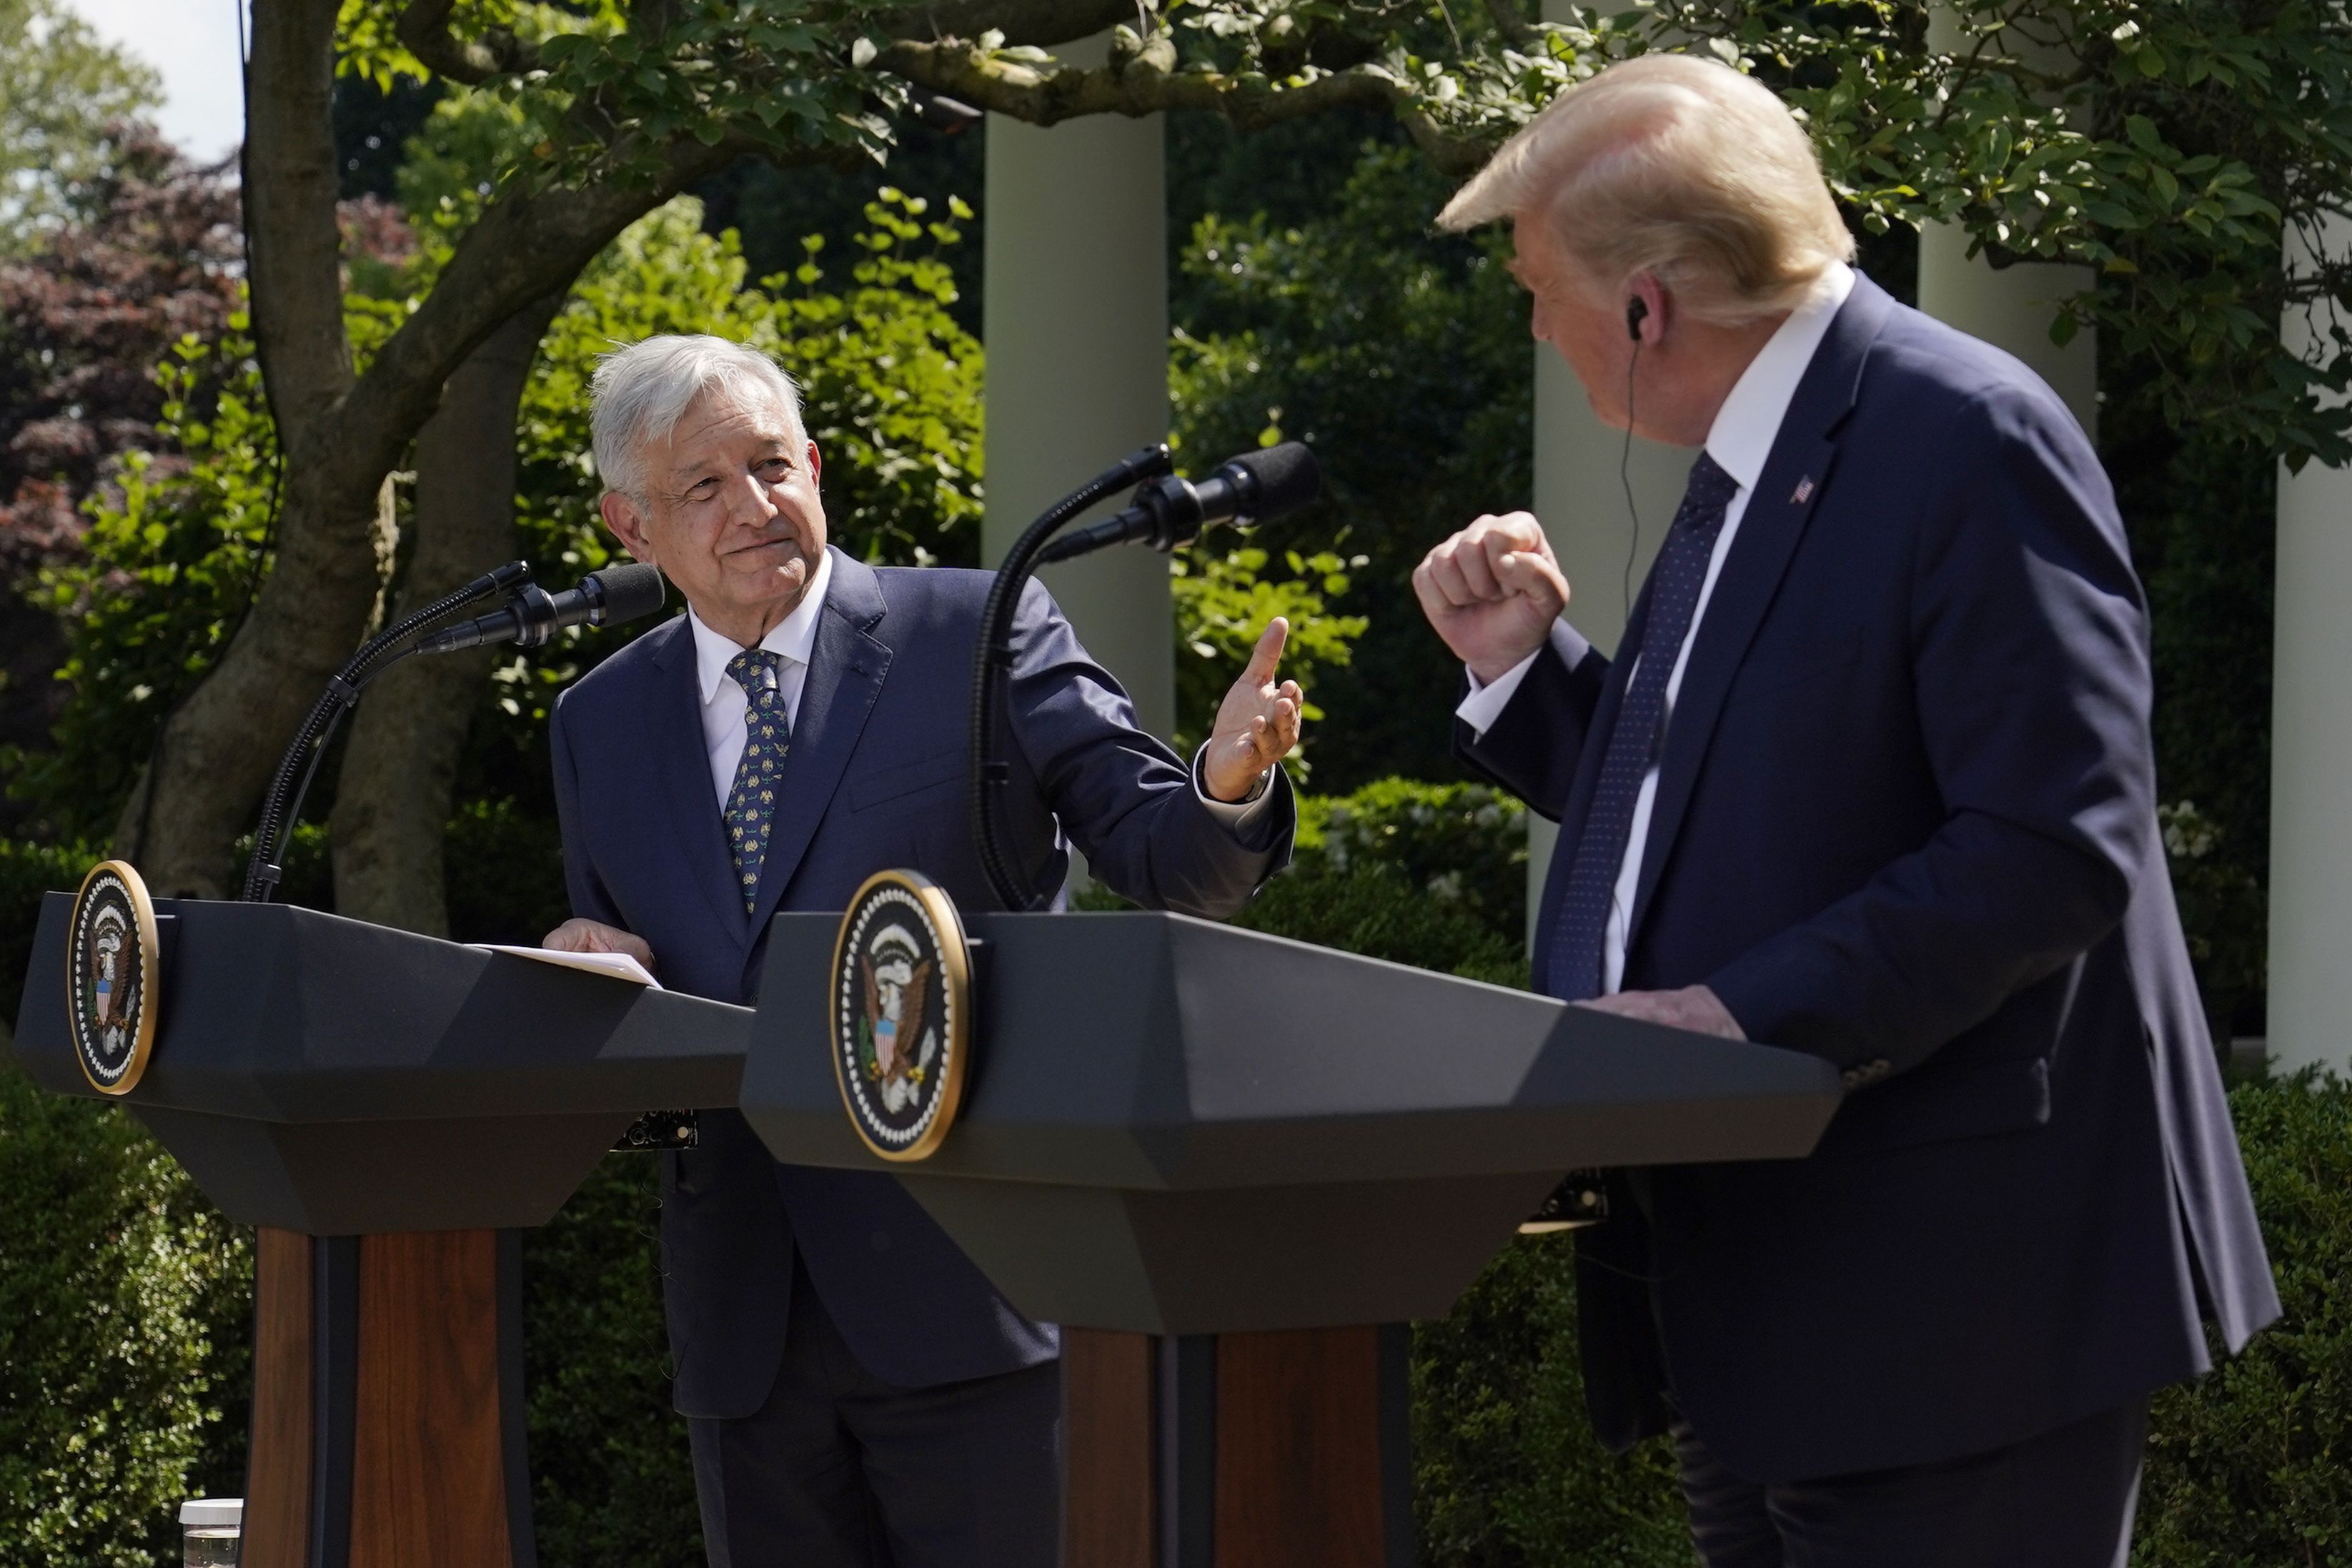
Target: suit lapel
point(681, 759)
point(845, 678)
point(1795, 474)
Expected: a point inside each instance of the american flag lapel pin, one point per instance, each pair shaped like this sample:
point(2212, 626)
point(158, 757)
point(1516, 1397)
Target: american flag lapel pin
point(1804, 488)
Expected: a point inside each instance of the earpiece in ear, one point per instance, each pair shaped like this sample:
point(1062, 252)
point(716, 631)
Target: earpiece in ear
point(1637, 311)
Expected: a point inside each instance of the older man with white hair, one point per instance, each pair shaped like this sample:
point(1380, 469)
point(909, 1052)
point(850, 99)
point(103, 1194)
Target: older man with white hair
point(1871, 778)
point(856, 1392)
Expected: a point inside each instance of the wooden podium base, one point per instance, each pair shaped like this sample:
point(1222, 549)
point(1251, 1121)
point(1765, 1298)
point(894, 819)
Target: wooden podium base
point(387, 1402)
point(388, 1425)
point(1262, 1451)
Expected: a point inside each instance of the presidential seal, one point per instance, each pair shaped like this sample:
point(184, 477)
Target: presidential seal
point(901, 1014)
point(112, 959)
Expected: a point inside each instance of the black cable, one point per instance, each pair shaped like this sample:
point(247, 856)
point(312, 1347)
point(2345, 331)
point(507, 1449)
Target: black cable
point(1625, 478)
point(992, 662)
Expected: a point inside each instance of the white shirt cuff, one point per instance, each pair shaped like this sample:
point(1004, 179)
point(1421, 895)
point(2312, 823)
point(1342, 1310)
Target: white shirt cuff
point(1486, 703)
point(1234, 813)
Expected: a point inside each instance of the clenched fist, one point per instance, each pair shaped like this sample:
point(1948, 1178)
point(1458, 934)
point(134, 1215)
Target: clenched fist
point(1492, 592)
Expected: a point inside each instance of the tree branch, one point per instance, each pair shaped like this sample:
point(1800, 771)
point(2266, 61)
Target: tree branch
point(423, 28)
point(289, 191)
point(1141, 81)
point(529, 242)
point(1043, 23)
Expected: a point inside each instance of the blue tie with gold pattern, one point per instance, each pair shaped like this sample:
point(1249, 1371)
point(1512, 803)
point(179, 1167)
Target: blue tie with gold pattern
point(767, 737)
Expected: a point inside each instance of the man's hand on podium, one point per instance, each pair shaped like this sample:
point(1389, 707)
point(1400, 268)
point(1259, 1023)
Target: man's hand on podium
point(1694, 1008)
point(594, 936)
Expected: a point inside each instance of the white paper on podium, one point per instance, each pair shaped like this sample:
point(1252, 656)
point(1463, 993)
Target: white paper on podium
point(617, 965)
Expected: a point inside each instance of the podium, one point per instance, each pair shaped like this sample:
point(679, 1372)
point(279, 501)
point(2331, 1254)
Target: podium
point(1231, 1166)
point(391, 1110)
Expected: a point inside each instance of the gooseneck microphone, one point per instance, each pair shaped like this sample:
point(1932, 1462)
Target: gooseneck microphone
point(606, 598)
point(1170, 512)
point(530, 618)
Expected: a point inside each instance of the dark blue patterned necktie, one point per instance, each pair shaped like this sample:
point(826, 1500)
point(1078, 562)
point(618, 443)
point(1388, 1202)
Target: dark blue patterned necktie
point(767, 737)
point(1639, 733)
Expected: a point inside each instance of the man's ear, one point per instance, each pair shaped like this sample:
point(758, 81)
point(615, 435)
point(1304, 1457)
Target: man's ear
point(815, 463)
point(1656, 306)
point(628, 525)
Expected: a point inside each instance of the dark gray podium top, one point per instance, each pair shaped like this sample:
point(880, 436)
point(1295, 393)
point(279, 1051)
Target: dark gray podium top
point(1180, 1127)
point(337, 1077)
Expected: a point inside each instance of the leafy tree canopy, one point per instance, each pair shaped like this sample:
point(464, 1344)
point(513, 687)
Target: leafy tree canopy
point(2187, 148)
point(63, 91)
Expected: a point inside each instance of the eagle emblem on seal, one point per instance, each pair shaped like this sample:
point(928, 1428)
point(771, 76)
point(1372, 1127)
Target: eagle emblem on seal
point(894, 1051)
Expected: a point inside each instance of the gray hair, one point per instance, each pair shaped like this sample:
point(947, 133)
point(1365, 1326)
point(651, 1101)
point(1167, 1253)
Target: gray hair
point(1676, 166)
point(641, 392)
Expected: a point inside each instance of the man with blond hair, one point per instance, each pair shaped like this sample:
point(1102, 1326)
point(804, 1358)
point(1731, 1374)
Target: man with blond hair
point(1871, 778)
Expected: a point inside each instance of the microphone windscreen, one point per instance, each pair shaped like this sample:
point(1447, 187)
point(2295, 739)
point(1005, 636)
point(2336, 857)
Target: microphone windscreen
point(1287, 476)
point(631, 591)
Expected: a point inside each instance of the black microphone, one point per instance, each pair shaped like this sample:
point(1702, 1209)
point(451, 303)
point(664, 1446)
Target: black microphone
point(1170, 512)
point(606, 598)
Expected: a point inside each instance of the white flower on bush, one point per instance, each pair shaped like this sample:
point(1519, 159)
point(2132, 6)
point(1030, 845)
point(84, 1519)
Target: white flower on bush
point(2187, 835)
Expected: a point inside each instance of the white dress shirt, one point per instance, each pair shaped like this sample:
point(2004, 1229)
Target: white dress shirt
point(1739, 440)
point(726, 706)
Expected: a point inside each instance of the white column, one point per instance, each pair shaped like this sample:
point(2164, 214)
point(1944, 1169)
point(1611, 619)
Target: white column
point(1075, 316)
point(2311, 756)
point(2013, 306)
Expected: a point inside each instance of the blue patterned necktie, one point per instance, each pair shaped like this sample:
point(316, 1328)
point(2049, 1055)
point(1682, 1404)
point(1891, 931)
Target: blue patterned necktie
point(767, 737)
point(1638, 735)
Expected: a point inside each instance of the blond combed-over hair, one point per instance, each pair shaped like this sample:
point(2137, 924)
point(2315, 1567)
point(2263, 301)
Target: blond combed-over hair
point(1678, 167)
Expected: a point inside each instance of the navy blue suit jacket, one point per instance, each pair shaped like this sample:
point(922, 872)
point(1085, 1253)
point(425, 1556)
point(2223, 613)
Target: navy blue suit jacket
point(1905, 820)
point(875, 779)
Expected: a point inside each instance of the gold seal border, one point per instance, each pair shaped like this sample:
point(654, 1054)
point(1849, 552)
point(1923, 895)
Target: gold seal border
point(149, 973)
point(955, 987)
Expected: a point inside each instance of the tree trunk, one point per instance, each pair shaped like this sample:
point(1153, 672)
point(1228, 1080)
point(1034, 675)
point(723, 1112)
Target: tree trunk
point(393, 803)
point(217, 752)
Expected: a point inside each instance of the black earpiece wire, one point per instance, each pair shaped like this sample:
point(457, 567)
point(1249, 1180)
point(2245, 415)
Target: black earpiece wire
point(1637, 311)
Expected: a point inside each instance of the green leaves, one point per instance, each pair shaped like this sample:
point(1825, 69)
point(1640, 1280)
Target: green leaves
point(119, 1320)
point(62, 87)
point(1224, 602)
point(2168, 150)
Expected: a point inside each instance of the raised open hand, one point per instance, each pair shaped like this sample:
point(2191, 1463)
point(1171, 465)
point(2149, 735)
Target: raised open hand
point(1258, 723)
point(1492, 592)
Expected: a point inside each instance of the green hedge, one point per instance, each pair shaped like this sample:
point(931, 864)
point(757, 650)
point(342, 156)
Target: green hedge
point(612, 1486)
point(2252, 1467)
point(124, 1322)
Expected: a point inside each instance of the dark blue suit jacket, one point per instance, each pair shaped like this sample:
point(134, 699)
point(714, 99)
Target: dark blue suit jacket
point(875, 779)
point(1905, 820)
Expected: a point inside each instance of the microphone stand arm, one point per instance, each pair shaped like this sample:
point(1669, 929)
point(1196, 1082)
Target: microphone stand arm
point(282, 807)
point(992, 669)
